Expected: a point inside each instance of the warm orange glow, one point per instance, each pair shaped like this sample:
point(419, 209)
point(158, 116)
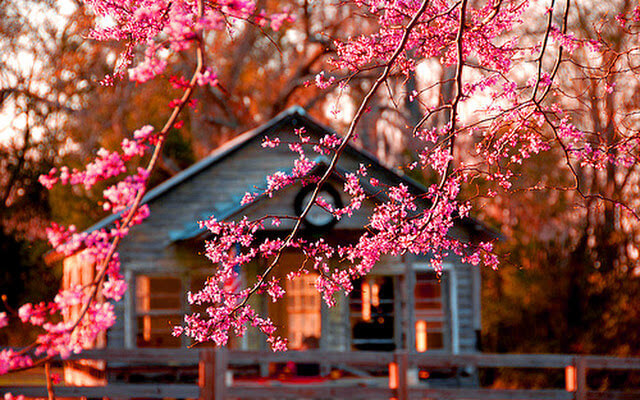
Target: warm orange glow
point(393, 375)
point(146, 327)
point(375, 295)
point(423, 374)
point(366, 301)
point(143, 288)
point(421, 336)
point(570, 378)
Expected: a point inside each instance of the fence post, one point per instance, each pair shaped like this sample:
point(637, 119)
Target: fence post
point(212, 370)
point(581, 378)
point(221, 364)
point(401, 360)
point(206, 372)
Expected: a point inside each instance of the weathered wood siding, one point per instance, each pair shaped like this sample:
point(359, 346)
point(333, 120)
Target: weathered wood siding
point(467, 334)
point(217, 190)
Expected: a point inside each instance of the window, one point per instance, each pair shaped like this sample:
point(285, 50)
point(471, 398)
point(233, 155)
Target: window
point(160, 305)
point(429, 313)
point(371, 305)
point(297, 316)
point(303, 309)
point(158, 309)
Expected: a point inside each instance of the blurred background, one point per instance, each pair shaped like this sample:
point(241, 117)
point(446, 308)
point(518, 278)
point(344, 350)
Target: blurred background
point(569, 280)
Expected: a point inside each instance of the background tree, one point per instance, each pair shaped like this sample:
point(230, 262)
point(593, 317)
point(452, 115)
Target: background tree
point(473, 129)
point(38, 93)
point(584, 240)
point(572, 244)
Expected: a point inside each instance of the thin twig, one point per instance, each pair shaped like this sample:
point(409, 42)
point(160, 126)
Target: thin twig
point(103, 267)
point(334, 161)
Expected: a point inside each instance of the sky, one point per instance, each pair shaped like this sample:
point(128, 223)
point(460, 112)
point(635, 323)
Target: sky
point(23, 61)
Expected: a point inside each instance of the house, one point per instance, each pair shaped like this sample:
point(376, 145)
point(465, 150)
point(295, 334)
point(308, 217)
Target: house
point(401, 304)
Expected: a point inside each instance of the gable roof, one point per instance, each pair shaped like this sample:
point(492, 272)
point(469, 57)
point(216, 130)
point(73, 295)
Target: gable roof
point(297, 116)
point(194, 230)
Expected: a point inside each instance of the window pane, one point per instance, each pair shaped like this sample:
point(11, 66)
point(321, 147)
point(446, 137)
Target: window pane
point(159, 308)
point(165, 302)
point(303, 309)
point(429, 312)
point(165, 284)
point(153, 293)
point(155, 331)
point(371, 305)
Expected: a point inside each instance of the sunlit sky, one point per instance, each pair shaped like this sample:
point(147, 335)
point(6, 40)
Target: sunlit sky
point(27, 64)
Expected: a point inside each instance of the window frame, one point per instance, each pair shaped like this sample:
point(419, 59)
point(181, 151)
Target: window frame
point(168, 312)
point(444, 311)
point(449, 294)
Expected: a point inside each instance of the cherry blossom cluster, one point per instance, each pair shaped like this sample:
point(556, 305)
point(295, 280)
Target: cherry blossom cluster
point(518, 123)
point(434, 35)
point(157, 28)
point(517, 119)
point(398, 225)
point(230, 311)
point(160, 27)
point(303, 165)
point(75, 318)
point(401, 223)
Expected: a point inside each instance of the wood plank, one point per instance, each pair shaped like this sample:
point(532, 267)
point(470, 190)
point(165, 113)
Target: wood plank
point(310, 391)
point(296, 391)
point(112, 390)
point(402, 360)
point(331, 357)
point(581, 378)
point(490, 394)
point(219, 374)
point(191, 356)
point(613, 395)
point(604, 362)
point(148, 356)
point(206, 371)
point(492, 360)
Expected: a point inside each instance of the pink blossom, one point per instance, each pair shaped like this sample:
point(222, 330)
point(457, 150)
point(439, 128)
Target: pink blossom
point(278, 19)
point(275, 290)
point(208, 77)
point(146, 70)
point(114, 289)
point(322, 82)
point(271, 143)
point(143, 133)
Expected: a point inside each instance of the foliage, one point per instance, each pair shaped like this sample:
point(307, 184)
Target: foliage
point(501, 97)
point(575, 252)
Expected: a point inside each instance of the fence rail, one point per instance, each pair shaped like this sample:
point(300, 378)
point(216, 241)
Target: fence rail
point(213, 367)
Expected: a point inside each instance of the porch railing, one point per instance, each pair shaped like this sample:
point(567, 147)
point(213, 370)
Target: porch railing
point(214, 383)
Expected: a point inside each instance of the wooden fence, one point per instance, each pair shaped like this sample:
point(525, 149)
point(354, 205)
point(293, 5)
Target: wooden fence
point(213, 382)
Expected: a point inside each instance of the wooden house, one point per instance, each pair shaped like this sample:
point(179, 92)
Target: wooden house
point(402, 304)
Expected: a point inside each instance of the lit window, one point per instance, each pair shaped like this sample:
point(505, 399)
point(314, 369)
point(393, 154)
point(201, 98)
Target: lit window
point(421, 336)
point(303, 309)
point(158, 309)
point(429, 313)
point(79, 270)
point(372, 314)
point(366, 301)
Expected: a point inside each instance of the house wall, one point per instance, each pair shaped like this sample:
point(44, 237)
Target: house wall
point(79, 269)
point(465, 306)
point(216, 190)
point(467, 330)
